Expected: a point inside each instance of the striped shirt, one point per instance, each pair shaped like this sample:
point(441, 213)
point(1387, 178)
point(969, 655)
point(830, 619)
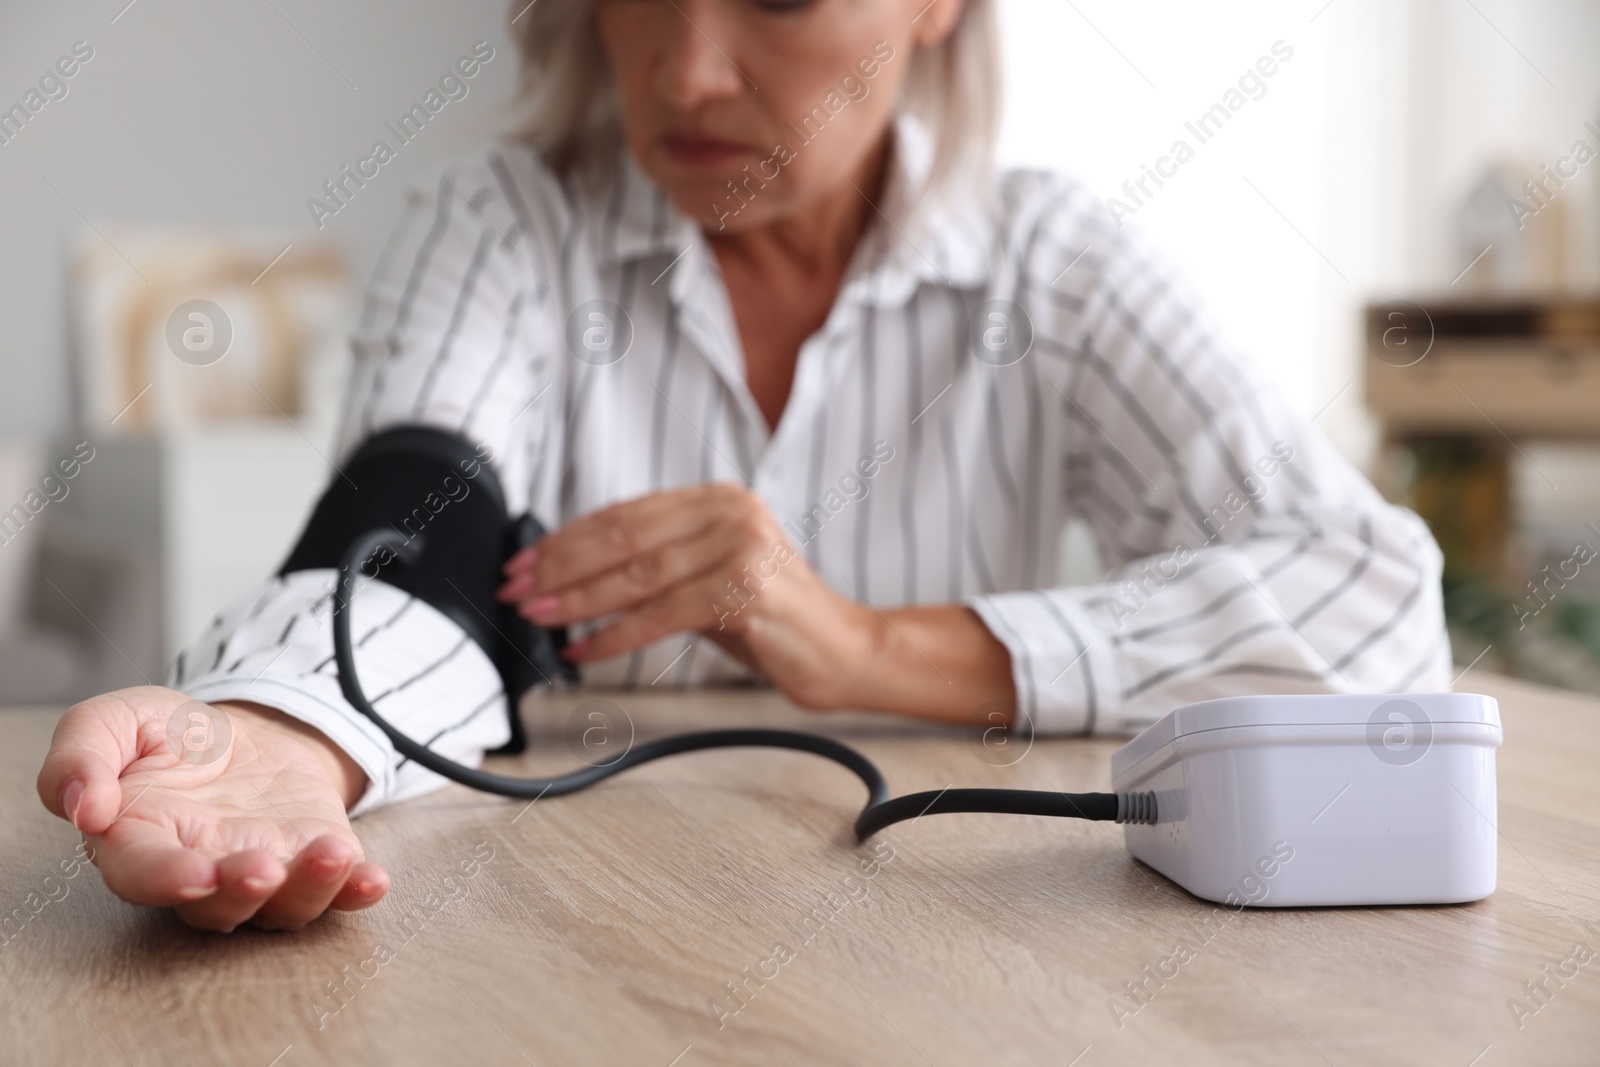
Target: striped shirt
point(1001, 362)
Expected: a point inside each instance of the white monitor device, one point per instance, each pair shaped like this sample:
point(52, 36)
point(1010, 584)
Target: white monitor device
point(1316, 800)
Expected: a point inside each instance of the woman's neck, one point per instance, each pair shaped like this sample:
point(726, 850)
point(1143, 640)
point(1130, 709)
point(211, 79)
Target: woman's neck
point(817, 239)
point(784, 277)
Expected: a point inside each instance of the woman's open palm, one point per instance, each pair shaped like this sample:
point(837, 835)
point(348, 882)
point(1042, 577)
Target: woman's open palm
point(227, 816)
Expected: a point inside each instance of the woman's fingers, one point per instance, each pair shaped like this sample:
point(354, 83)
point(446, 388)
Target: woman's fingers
point(521, 560)
point(93, 742)
point(315, 878)
point(610, 537)
point(366, 885)
point(685, 608)
point(641, 578)
point(245, 881)
point(143, 863)
point(519, 573)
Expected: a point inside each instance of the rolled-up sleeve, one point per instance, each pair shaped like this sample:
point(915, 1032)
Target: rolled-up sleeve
point(418, 668)
point(451, 336)
point(1243, 553)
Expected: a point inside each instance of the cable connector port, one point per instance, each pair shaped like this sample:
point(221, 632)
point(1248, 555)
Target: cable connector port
point(1136, 807)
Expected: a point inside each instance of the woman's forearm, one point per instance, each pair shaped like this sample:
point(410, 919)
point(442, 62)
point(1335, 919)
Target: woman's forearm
point(938, 662)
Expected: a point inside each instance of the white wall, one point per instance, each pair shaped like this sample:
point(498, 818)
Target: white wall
point(1516, 82)
point(209, 114)
point(1365, 143)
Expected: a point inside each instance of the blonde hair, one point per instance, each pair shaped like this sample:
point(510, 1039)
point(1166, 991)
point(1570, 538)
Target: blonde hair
point(567, 106)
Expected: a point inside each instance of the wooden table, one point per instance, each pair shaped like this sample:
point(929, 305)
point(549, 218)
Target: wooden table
point(605, 928)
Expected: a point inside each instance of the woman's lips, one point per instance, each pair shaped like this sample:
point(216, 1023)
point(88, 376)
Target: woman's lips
point(700, 150)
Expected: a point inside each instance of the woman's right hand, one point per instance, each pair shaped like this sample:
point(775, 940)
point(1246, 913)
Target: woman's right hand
point(228, 813)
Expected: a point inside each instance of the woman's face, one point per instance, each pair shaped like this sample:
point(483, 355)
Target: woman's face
point(785, 99)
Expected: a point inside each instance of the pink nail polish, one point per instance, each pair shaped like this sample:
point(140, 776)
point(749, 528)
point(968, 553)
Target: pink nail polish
point(543, 605)
point(515, 588)
point(71, 797)
point(525, 558)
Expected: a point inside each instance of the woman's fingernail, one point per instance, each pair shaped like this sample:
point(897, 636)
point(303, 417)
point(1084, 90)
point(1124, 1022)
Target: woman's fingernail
point(196, 892)
point(71, 797)
point(255, 885)
point(325, 870)
point(366, 889)
point(525, 558)
point(542, 605)
point(516, 588)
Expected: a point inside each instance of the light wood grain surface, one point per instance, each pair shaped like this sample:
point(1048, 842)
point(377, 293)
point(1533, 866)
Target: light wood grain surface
point(604, 928)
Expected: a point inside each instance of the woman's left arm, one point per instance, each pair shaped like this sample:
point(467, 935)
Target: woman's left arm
point(1243, 553)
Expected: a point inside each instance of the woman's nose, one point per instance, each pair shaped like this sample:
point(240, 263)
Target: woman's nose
point(696, 63)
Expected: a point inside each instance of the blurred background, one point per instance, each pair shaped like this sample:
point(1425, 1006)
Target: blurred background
point(1400, 224)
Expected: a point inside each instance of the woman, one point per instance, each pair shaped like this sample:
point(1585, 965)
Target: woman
point(747, 300)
